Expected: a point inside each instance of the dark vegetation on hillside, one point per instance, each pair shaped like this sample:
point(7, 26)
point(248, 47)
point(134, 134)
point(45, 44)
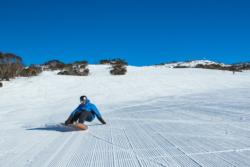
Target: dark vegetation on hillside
point(180, 66)
point(10, 66)
point(242, 66)
point(118, 66)
point(233, 67)
point(78, 68)
point(53, 65)
point(32, 70)
point(216, 66)
point(105, 61)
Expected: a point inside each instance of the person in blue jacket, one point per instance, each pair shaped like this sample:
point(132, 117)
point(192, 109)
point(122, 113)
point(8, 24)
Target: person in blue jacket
point(86, 111)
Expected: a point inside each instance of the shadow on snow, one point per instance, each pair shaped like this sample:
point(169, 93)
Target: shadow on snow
point(58, 128)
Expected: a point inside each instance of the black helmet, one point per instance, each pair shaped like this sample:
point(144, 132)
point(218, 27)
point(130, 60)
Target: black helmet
point(83, 99)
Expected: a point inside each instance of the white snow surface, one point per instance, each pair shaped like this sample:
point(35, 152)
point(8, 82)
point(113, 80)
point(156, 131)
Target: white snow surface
point(155, 116)
point(192, 64)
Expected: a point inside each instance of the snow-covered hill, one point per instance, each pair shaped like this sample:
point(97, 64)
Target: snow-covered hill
point(192, 64)
point(156, 116)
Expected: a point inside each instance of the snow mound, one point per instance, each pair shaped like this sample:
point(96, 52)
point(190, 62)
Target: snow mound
point(192, 64)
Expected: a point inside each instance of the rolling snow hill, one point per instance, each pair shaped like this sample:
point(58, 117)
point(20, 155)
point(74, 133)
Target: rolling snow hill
point(156, 116)
point(192, 64)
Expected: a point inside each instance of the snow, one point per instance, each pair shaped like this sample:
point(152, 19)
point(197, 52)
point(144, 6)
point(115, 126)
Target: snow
point(192, 64)
point(156, 116)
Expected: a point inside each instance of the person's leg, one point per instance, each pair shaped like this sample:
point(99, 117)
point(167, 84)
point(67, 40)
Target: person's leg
point(75, 118)
point(71, 119)
point(84, 114)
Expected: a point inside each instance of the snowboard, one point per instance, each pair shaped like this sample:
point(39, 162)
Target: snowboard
point(77, 126)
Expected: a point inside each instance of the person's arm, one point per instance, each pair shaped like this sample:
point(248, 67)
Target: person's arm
point(98, 114)
point(101, 120)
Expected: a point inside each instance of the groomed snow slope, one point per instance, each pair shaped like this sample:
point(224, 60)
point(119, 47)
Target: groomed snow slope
point(156, 117)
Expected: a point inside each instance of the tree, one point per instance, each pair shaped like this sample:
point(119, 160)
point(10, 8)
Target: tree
point(10, 66)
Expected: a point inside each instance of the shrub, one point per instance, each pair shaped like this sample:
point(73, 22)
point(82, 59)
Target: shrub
point(180, 66)
point(118, 62)
point(242, 66)
point(105, 61)
point(10, 66)
point(54, 65)
point(63, 73)
point(81, 64)
point(118, 71)
point(246, 66)
point(199, 66)
point(31, 71)
point(119, 67)
point(85, 72)
point(78, 68)
point(233, 68)
point(210, 66)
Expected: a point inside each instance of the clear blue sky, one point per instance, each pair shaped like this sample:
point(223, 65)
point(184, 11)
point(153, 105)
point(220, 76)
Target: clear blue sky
point(142, 32)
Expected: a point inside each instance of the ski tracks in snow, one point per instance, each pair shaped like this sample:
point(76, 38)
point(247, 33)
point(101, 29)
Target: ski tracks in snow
point(190, 131)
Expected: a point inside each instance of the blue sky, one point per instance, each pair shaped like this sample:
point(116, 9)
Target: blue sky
point(142, 32)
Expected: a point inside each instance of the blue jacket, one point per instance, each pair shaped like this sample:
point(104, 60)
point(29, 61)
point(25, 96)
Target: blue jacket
point(89, 107)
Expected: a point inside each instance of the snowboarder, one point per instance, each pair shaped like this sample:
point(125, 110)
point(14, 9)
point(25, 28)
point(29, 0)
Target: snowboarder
point(86, 111)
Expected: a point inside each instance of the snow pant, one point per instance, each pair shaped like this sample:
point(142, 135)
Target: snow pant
point(81, 117)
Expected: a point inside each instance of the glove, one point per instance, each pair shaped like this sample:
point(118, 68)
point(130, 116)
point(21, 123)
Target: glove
point(101, 120)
